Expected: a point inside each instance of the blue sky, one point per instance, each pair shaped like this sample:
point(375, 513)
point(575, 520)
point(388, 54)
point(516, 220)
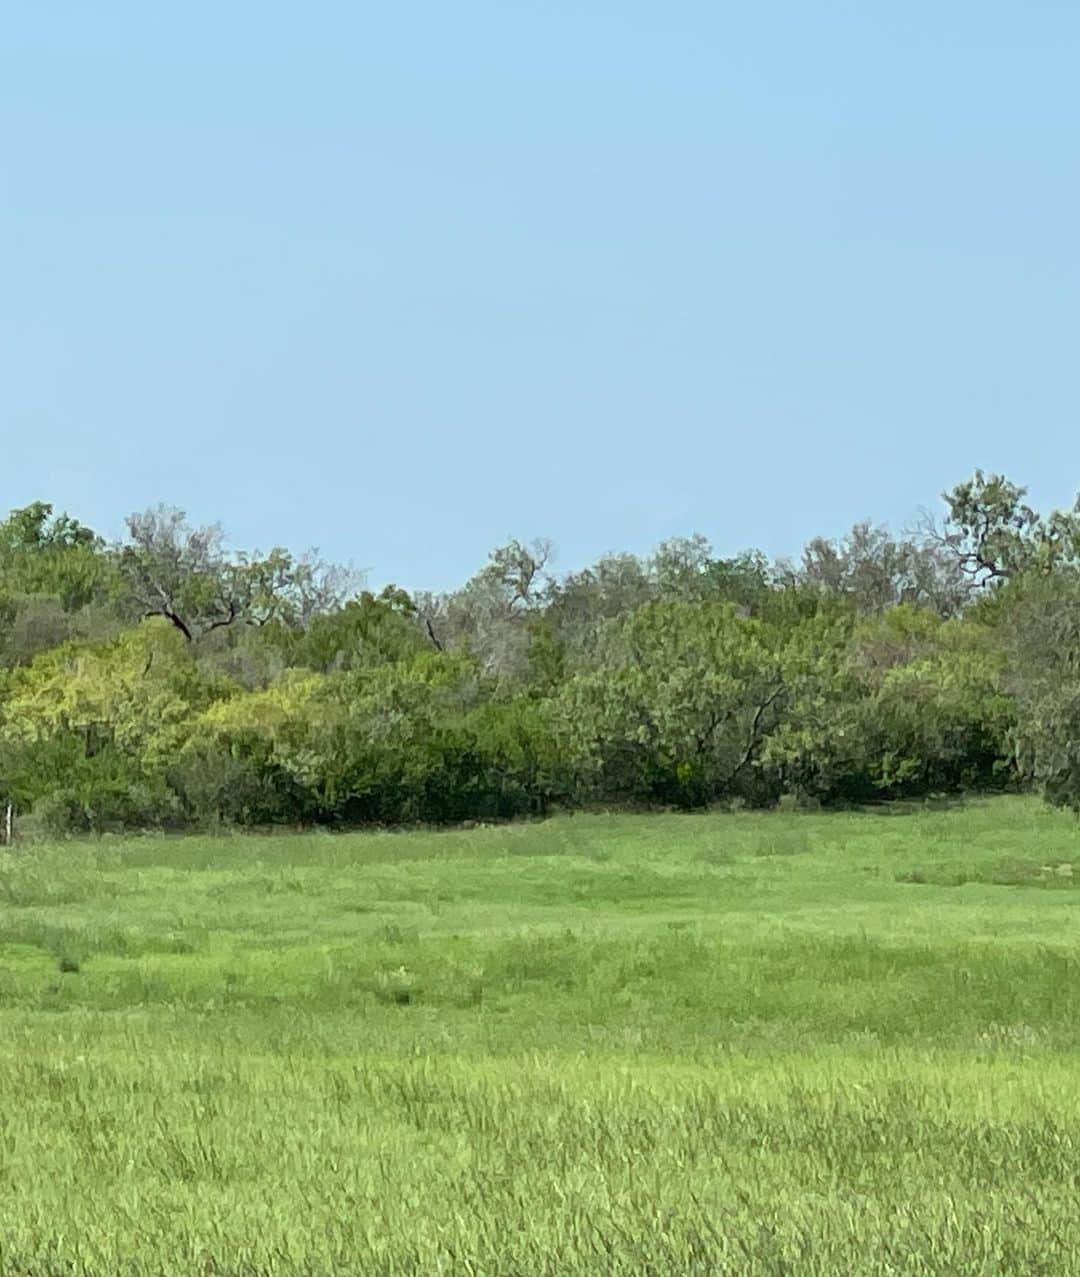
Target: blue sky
point(398, 280)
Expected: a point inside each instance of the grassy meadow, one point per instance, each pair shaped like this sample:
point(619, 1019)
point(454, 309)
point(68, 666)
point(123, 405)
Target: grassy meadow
point(782, 1043)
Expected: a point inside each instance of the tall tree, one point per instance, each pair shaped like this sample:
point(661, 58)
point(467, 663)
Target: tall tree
point(181, 572)
point(990, 530)
point(877, 570)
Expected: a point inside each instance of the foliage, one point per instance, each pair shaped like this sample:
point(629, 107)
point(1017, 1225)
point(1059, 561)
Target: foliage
point(182, 573)
point(675, 711)
point(907, 704)
point(876, 571)
point(88, 730)
point(1039, 630)
point(166, 679)
point(995, 536)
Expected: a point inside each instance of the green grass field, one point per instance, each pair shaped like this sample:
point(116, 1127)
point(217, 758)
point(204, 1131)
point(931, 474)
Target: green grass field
point(726, 1044)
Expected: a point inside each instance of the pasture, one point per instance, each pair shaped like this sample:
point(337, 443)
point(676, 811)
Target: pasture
point(746, 1044)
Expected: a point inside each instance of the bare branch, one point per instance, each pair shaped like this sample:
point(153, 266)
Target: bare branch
point(432, 635)
point(755, 729)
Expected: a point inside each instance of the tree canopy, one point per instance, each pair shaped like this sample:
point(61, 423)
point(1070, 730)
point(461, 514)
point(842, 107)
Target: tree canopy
point(166, 680)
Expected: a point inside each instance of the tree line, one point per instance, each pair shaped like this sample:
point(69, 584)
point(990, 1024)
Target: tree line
point(164, 681)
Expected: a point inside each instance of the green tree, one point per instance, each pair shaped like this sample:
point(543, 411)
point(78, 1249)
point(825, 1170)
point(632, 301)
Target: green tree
point(995, 536)
point(677, 710)
point(877, 571)
point(371, 629)
point(93, 728)
point(182, 573)
point(1038, 625)
point(904, 703)
point(55, 557)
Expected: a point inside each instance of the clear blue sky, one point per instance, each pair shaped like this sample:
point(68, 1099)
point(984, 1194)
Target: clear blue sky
point(400, 279)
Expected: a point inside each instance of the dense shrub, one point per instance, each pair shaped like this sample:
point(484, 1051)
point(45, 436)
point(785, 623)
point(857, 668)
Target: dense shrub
point(162, 681)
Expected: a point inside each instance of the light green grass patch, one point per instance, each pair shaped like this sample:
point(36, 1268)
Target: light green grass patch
point(725, 1044)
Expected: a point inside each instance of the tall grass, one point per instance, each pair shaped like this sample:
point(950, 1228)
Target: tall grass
point(783, 1044)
